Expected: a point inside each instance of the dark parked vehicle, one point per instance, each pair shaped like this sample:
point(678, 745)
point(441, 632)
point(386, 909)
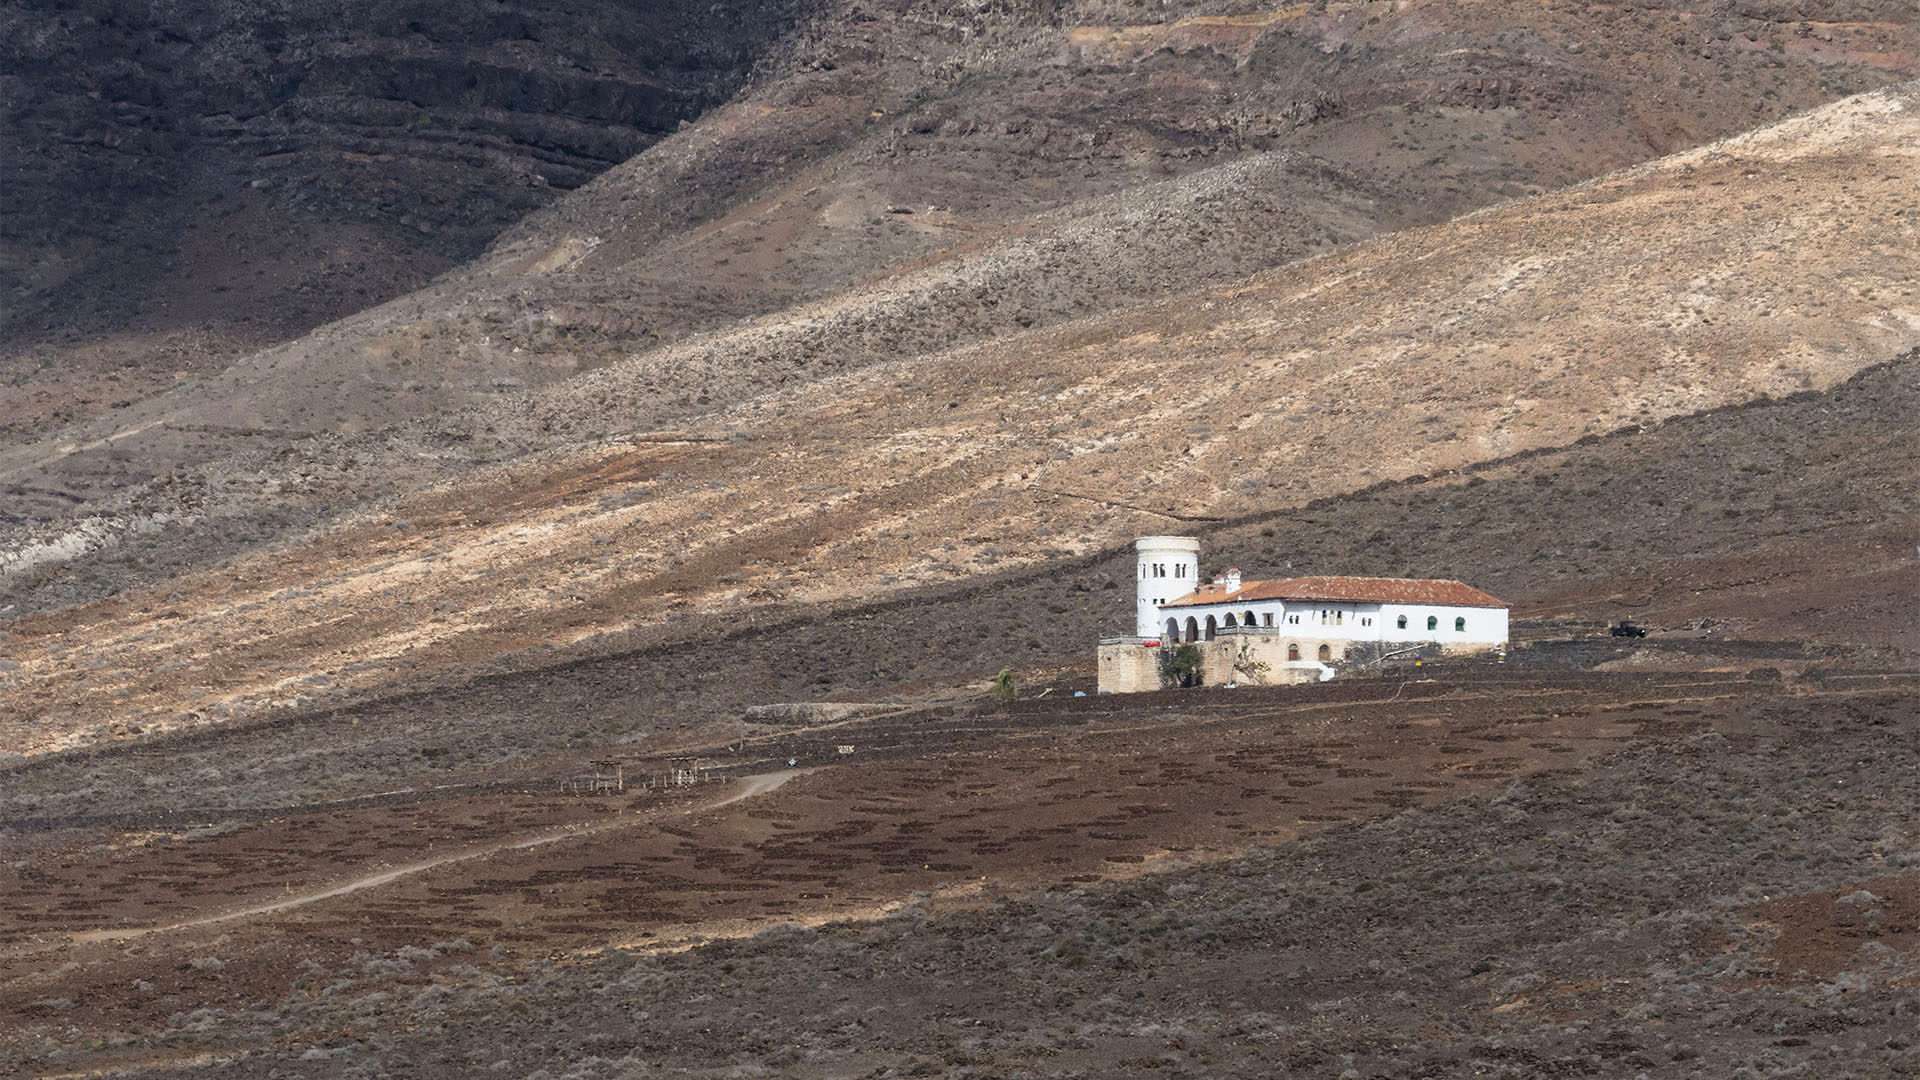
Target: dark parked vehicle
point(1626, 628)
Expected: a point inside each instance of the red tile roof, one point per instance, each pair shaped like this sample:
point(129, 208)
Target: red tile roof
point(1345, 590)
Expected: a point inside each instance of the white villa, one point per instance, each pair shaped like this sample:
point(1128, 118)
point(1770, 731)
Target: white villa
point(1289, 629)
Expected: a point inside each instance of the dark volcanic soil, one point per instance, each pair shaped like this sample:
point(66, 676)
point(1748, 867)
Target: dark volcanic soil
point(216, 176)
point(1724, 879)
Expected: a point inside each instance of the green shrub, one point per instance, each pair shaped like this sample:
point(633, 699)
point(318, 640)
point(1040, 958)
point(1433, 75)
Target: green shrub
point(1004, 688)
point(1180, 667)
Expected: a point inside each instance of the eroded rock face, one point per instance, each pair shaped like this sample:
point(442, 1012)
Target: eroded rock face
point(312, 157)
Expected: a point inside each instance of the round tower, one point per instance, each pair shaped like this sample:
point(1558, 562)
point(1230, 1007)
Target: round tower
point(1167, 568)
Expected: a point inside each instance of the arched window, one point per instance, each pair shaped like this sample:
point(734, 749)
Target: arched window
point(1212, 628)
point(1326, 653)
point(1173, 630)
point(1403, 622)
point(1293, 651)
point(1193, 629)
point(1230, 622)
point(1246, 618)
point(1433, 622)
point(1460, 625)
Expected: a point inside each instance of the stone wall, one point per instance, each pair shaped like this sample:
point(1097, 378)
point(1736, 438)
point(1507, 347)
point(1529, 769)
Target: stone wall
point(1128, 666)
point(1226, 654)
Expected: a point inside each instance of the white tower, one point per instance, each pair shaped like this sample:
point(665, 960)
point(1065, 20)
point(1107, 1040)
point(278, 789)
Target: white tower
point(1168, 568)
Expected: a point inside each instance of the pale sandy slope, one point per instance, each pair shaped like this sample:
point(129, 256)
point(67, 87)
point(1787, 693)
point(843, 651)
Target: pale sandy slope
point(1776, 261)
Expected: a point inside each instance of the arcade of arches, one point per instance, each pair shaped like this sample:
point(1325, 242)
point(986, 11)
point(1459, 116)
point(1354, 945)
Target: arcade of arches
point(1194, 630)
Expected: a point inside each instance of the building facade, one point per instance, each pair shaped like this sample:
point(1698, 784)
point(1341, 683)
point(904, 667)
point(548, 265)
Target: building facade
point(1284, 630)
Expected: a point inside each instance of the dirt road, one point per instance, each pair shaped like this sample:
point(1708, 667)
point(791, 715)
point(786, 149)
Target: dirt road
point(749, 786)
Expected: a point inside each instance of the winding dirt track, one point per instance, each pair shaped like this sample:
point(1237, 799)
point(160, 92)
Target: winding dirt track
point(750, 786)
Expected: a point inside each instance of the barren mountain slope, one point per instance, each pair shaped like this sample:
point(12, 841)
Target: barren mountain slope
point(188, 181)
point(1085, 258)
point(1765, 264)
point(1774, 534)
point(1388, 115)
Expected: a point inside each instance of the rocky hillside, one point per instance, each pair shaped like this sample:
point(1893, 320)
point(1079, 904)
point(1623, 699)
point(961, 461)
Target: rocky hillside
point(873, 142)
point(934, 295)
point(1767, 264)
point(359, 483)
point(187, 182)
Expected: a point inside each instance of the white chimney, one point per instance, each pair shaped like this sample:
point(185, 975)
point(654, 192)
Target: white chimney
point(1233, 579)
